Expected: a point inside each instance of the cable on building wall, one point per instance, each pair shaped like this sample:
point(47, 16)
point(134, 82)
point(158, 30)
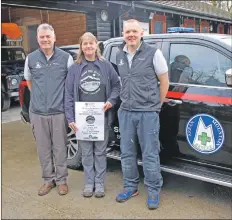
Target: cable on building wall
point(48, 16)
point(9, 12)
point(41, 16)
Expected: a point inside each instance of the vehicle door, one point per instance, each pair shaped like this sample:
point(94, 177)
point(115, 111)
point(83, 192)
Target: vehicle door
point(199, 112)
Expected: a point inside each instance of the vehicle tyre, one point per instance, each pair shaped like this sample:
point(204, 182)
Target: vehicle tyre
point(73, 151)
point(5, 99)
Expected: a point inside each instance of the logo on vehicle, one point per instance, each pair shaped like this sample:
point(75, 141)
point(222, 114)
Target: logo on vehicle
point(204, 133)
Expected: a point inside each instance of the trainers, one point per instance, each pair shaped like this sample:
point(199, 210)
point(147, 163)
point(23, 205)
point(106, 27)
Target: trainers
point(88, 191)
point(99, 190)
point(153, 202)
point(125, 195)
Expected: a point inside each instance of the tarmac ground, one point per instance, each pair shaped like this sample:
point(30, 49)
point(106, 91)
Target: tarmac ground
point(181, 198)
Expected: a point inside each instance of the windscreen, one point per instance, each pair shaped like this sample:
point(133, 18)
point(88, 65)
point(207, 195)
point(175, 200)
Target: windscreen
point(11, 54)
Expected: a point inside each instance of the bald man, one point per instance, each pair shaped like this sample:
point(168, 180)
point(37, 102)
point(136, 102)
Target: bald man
point(141, 67)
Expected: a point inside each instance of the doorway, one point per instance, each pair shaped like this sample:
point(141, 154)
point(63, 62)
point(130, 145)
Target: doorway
point(32, 41)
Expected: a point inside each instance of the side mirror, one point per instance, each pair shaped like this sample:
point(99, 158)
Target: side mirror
point(229, 77)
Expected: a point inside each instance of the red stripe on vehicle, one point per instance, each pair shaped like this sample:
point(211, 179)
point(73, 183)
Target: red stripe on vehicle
point(22, 85)
point(200, 98)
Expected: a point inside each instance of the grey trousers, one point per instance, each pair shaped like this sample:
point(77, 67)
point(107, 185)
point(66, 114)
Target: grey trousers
point(94, 159)
point(51, 140)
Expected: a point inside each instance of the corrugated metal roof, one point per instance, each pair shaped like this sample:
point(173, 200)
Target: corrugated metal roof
point(196, 6)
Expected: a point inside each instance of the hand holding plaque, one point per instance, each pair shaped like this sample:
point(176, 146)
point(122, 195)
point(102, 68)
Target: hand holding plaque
point(73, 126)
point(107, 106)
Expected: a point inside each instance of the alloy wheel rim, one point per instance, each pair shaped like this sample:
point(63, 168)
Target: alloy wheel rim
point(72, 146)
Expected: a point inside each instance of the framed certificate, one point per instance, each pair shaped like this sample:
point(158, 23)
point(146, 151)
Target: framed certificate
point(90, 121)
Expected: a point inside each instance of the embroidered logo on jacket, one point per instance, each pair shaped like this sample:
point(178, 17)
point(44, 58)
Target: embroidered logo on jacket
point(121, 62)
point(38, 65)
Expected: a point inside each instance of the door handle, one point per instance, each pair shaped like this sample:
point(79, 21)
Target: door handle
point(173, 102)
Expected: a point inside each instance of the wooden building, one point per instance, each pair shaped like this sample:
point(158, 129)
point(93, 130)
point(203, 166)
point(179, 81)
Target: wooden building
point(71, 18)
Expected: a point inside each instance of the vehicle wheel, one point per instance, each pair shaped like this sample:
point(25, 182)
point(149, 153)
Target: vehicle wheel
point(73, 151)
point(5, 99)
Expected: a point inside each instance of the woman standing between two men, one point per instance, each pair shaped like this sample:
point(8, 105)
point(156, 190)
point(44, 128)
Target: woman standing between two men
point(89, 69)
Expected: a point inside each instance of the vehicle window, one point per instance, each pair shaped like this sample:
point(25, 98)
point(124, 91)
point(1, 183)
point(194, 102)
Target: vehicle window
point(9, 54)
point(196, 64)
point(72, 52)
point(113, 53)
point(156, 44)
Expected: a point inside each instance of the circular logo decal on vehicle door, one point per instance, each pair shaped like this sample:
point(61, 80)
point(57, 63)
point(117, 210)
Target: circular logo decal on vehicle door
point(204, 133)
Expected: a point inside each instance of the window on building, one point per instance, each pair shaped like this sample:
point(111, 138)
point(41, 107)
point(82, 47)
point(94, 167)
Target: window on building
point(197, 27)
point(190, 25)
point(158, 28)
point(221, 29)
point(32, 32)
point(205, 29)
point(196, 64)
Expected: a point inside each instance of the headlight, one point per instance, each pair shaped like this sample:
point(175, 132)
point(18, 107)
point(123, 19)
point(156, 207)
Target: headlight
point(14, 82)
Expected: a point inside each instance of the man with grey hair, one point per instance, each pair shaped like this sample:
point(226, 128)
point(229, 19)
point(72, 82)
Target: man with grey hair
point(45, 71)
